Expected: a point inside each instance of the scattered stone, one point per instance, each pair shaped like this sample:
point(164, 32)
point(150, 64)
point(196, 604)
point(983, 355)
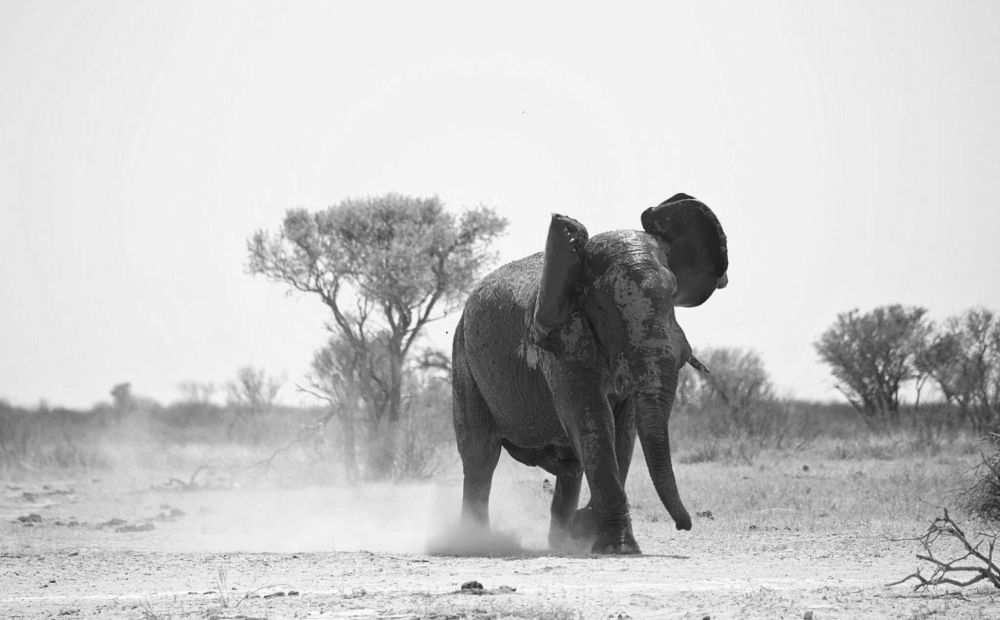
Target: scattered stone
point(293, 593)
point(29, 497)
point(808, 615)
point(753, 526)
point(116, 522)
point(30, 518)
point(805, 468)
point(127, 529)
point(705, 514)
point(74, 554)
point(476, 588)
point(274, 594)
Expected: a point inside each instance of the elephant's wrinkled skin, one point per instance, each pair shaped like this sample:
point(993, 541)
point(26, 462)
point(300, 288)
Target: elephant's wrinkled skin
point(561, 357)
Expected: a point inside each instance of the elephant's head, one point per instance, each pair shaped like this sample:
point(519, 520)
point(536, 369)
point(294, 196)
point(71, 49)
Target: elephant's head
point(608, 302)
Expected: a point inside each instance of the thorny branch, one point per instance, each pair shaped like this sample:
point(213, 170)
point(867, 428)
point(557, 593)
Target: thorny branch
point(305, 431)
point(947, 572)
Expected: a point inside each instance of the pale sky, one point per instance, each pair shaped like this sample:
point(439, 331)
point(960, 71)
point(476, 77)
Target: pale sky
point(850, 150)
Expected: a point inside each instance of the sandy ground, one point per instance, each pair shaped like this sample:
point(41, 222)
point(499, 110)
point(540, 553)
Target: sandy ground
point(361, 553)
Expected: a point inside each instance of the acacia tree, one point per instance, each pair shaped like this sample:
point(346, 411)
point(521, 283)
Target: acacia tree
point(872, 355)
point(385, 266)
point(963, 358)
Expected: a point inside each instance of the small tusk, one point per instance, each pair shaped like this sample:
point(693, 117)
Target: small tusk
point(698, 365)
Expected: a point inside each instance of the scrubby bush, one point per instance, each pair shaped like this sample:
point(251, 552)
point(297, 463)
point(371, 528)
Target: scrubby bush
point(736, 399)
point(982, 499)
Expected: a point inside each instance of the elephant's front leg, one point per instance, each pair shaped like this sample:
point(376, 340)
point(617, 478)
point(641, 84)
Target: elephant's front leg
point(582, 524)
point(588, 420)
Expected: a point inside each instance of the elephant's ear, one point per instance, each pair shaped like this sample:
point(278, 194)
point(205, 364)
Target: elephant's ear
point(699, 258)
point(560, 274)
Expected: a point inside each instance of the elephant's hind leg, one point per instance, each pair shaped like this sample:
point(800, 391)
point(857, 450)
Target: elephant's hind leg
point(478, 443)
point(564, 503)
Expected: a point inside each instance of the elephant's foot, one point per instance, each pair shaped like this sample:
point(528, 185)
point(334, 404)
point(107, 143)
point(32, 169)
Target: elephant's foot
point(622, 543)
point(584, 524)
point(562, 541)
point(578, 535)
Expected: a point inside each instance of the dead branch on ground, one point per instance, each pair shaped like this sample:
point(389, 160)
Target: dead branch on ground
point(952, 572)
point(175, 484)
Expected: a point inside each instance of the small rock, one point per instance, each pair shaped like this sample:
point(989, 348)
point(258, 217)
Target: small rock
point(31, 518)
point(807, 616)
point(29, 497)
point(705, 514)
point(805, 468)
point(472, 585)
point(753, 526)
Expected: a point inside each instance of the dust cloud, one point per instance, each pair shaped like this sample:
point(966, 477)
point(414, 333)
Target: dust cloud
point(404, 518)
point(130, 472)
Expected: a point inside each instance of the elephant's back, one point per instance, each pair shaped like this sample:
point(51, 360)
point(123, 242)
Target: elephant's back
point(513, 285)
point(498, 311)
point(504, 361)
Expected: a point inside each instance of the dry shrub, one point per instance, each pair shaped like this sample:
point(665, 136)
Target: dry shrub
point(982, 499)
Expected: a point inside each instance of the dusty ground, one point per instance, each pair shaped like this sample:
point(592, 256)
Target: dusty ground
point(360, 553)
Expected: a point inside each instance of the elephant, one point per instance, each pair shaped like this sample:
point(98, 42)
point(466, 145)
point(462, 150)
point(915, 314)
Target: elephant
point(562, 357)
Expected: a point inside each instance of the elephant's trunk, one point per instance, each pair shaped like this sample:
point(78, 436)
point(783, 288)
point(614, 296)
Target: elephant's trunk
point(652, 414)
